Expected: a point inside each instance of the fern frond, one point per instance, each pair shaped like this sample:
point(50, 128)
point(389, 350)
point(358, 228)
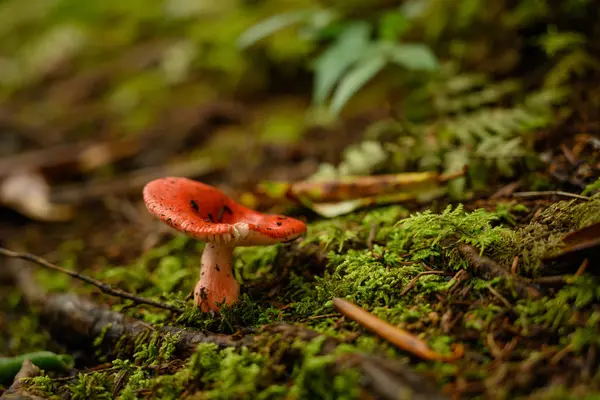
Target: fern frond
point(491, 94)
point(574, 64)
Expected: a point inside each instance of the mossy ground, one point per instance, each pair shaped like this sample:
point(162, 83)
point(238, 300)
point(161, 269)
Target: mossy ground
point(515, 80)
point(368, 257)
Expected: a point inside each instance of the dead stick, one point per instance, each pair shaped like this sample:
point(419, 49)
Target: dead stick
point(398, 337)
point(550, 193)
point(412, 283)
point(104, 287)
point(487, 268)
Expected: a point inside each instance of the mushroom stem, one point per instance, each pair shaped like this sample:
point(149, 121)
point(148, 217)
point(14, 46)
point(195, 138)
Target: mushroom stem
point(217, 283)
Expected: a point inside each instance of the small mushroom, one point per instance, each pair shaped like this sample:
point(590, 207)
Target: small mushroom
point(205, 213)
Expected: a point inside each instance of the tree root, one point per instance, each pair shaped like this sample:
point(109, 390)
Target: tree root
point(77, 322)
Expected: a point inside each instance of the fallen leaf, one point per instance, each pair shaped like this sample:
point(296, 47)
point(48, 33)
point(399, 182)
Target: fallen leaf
point(28, 193)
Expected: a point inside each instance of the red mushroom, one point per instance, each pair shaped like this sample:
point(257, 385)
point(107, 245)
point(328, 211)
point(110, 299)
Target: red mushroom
point(205, 213)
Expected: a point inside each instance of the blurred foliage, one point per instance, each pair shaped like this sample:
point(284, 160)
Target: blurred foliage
point(125, 63)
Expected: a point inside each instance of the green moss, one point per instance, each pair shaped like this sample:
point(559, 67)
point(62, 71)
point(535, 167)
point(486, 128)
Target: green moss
point(25, 335)
point(371, 275)
point(423, 233)
point(90, 386)
point(42, 385)
point(542, 236)
point(311, 378)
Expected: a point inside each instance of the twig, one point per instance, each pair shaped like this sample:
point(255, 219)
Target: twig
point(561, 279)
point(489, 269)
point(494, 349)
point(561, 354)
point(500, 297)
point(515, 265)
point(412, 283)
point(104, 287)
point(453, 175)
point(119, 384)
point(550, 193)
point(398, 337)
point(371, 237)
point(551, 280)
point(315, 317)
point(581, 268)
point(105, 368)
point(506, 191)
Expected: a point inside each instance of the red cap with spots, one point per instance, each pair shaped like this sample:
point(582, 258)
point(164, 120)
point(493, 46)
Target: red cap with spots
point(205, 213)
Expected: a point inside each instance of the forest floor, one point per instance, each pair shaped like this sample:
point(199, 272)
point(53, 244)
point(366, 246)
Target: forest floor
point(478, 274)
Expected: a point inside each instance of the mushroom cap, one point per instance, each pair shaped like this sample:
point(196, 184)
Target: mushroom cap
point(206, 213)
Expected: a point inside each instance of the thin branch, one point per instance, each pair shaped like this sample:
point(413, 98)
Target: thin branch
point(315, 317)
point(550, 193)
point(500, 297)
point(104, 287)
point(487, 268)
point(371, 237)
point(412, 283)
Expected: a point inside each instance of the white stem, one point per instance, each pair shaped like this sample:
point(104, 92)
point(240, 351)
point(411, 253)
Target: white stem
point(217, 283)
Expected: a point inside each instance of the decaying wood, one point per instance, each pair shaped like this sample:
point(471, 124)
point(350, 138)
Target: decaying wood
point(77, 322)
point(16, 391)
point(490, 269)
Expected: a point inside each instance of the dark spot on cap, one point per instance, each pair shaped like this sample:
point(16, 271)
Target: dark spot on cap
point(211, 218)
point(217, 267)
point(194, 205)
point(279, 223)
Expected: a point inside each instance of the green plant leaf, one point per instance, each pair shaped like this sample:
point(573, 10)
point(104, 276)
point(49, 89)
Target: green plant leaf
point(46, 360)
point(271, 25)
point(555, 42)
point(356, 79)
point(412, 56)
point(393, 25)
point(341, 55)
point(592, 187)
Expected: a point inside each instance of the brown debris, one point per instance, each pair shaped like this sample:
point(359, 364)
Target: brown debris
point(83, 156)
point(490, 269)
point(583, 246)
point(16, 390)
point(398, 337)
